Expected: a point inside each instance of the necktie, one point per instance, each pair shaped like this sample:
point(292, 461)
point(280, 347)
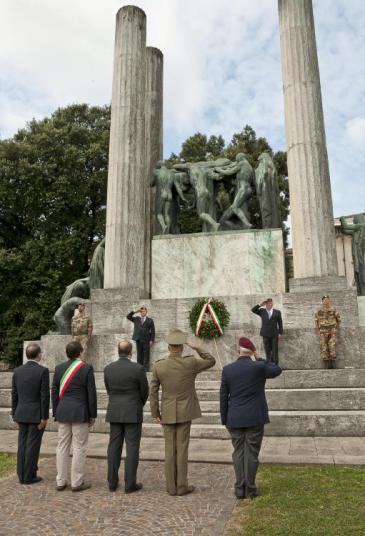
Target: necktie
point(142, 320)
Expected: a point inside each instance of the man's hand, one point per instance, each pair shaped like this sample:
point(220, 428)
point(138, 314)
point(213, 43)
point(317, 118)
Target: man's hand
point(158, 420)
point(42, 424)
point(280, 336)
point(151, 343)
point(91, 422)
point(192, 346)
point(263, 303)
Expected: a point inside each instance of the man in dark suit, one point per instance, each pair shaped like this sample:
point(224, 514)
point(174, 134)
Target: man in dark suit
point(244, 412)
point(30, 409)
point(127, 387)
point(74, 407)
point(271, 328)
point(143, 334)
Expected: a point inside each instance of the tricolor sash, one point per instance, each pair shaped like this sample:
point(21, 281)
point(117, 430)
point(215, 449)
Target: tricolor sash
point(68, 376)
point(208, 307)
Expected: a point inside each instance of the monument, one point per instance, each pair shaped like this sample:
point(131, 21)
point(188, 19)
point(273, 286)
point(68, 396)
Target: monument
point(151, 263)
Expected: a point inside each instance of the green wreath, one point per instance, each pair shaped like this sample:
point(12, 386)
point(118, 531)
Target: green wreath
point(212, 327)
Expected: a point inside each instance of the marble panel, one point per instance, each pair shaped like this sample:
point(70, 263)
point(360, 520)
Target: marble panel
point(231, 263)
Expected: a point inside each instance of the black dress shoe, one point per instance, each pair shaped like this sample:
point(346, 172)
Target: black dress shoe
point(113, 488)
point(134, 488)
point(254, 494)
point(34, 481)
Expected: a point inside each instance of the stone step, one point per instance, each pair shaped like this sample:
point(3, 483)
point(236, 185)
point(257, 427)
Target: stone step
point(283, 423)
point(278, 399)
point(295, 379)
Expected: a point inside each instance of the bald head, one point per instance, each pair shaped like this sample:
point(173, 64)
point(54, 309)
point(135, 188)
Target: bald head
point(125, 348)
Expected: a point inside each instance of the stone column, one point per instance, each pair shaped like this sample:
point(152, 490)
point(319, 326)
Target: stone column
point(154, 141)
point(312, 223)
point(124, 245)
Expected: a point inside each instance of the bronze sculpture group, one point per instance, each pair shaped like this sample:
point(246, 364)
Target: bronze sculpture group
point(240, 181)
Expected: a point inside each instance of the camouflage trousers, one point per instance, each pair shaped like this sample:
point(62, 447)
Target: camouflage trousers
point(83, 340)
point(327, 343)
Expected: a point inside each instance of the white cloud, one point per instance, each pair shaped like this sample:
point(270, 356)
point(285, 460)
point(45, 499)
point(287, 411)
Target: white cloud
point(222, 70)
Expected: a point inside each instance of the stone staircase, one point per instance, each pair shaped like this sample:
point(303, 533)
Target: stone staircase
point(302, 403)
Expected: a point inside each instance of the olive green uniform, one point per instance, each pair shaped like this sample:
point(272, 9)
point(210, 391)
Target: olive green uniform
point(179, 405)
point(80, 325)
point(327, 322)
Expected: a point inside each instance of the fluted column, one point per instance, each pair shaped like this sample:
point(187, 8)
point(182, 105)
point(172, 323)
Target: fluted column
point(312, 227)
point(154, 141)
point(124, 245)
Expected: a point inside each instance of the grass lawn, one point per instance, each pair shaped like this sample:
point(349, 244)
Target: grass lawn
point(7, 464)
point(303, 500)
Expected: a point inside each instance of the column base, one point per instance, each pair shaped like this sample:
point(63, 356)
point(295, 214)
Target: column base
point(324, 284)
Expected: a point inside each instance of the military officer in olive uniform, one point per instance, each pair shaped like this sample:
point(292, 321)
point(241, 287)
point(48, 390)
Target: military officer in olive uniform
point(327, 325)
point(176, 374)
point(81, 326)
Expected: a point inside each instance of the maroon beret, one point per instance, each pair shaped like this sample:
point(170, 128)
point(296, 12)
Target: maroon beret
point(246, 343)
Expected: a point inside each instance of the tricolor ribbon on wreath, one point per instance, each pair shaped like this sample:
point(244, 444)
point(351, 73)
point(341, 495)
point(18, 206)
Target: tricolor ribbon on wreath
point(208, 308)
point(68, 376)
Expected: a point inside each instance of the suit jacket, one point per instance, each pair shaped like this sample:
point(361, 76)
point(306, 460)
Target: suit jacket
point(78, 404)
point(127, 386)
point(145, 332)
point(270, 327)
point(176, 375)
point(30, 393)
point(242, 393)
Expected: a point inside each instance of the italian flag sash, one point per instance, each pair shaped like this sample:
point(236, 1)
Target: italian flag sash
point(208, 308)
point(68, 376)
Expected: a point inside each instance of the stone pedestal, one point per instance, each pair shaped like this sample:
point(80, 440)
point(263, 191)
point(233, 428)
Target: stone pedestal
point(312, 229)
point(124, 245)
point(226, 264)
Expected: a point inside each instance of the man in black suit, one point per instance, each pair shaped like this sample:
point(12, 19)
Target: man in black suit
point(30, 409)
point(74, 407)
point(244, 412)
point(143, 334)
point(127, 388)
point(271, 328)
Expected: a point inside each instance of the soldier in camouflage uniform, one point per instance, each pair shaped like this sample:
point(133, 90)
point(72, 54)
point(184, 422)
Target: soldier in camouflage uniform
point(81, 327)
point(327, 324)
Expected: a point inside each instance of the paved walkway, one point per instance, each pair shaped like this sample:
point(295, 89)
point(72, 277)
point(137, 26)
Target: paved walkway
point(40, 510)
point(288, 450)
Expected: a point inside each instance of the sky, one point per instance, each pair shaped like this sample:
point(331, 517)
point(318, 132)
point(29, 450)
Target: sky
point(222, 71)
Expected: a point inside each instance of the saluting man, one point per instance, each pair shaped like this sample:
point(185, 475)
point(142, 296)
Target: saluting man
point(180, 405)
point(327, 325)
point(81, 327)
point(143, 334)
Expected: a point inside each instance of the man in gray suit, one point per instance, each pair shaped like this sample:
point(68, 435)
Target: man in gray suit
point(127, 388)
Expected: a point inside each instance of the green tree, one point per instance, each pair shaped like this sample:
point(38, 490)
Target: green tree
point(52, 211)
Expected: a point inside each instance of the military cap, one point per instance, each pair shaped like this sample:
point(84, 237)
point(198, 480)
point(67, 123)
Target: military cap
point(246, 343)
point(176, 336)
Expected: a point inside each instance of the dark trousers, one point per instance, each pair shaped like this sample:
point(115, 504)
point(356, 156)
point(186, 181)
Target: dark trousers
point(131, 432)
point(29, 444)
point(271, 347)
point(143, 354)
point(246, 444)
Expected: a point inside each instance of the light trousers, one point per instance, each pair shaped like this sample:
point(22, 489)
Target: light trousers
point(77, 435)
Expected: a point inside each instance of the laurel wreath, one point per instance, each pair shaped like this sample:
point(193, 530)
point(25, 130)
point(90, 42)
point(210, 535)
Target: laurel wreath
point(208, 329)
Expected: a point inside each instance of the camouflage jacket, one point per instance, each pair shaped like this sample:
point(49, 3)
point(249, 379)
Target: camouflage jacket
point(80, 324)
point(327, 318)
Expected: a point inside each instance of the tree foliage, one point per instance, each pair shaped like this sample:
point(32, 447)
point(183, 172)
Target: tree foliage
point(52, 209)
